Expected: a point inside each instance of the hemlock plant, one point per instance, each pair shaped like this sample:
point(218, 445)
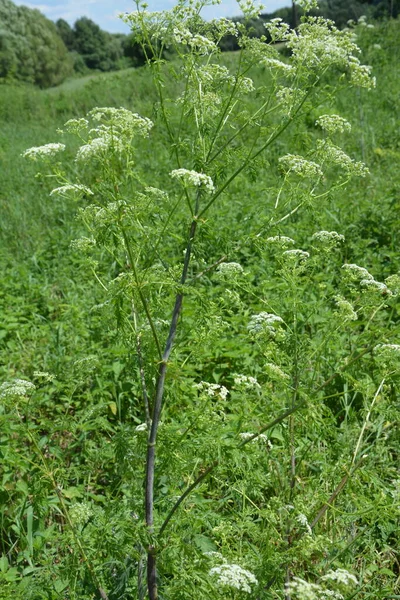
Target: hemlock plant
point(230, 493)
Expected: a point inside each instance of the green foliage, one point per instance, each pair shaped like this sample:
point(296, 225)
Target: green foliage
point(30, 48)
point(317, 490)
point(99, 50)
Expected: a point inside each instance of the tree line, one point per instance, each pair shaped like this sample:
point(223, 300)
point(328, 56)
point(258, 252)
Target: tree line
point(36, 50)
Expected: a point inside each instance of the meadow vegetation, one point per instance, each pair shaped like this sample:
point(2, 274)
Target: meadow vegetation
point(200, 322)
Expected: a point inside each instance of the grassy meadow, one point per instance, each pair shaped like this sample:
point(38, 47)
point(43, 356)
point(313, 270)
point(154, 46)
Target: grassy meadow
point(69, 448)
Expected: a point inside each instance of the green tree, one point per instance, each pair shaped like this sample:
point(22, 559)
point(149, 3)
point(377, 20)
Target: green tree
point(30, 47)
point(66, 33)
point(97, 47)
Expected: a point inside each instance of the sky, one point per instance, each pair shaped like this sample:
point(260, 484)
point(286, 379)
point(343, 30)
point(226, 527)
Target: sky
point(104, 12)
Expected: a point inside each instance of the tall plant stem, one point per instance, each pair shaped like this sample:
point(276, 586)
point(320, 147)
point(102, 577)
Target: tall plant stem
point(157, 408)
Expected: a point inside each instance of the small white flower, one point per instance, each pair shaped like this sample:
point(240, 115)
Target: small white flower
point(193, 178)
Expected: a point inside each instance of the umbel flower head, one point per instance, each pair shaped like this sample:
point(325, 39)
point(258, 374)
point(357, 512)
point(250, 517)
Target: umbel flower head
point(46, 151)
point(234, 576)
point(16, 388)
point(194, 178)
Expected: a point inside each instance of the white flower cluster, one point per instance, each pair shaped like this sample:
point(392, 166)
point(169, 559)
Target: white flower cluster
point(198, 43)
point(370, 285)
point(246, 435)
point(76, 189)
point(281, 241)
point(214, 390)
point(76, 125)
point(335, 156)
point(341, 576)
point(388, 356)
point(302, 519)
point(80, 513)
point(246, 381)
point(277, 29)
point(83, 244)
point(44, 376)
point(317, 44)
point(289, 98)
point(245, 85)
point(360, 75)
point(274, 372)
point(16, 388)
point(328, 238)
point(141, 427)
point(194, 178)
point(393, 283)
point(356, 273)
point(234, 576)
point(212, 75)
point(47, 151)
point(345, 310)
point(292, 163)
point(117, 128)
point(274, 63)
point(302, 589)
point(224, 26)
point(96, 148)
point(264, 322)
point(333, 124)
point(229, 270)
point(295, 256)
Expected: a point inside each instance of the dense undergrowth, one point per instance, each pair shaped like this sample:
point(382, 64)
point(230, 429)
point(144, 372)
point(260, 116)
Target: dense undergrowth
point(71, 500)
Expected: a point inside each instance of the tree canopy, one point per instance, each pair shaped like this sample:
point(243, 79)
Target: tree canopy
point(30, 47)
